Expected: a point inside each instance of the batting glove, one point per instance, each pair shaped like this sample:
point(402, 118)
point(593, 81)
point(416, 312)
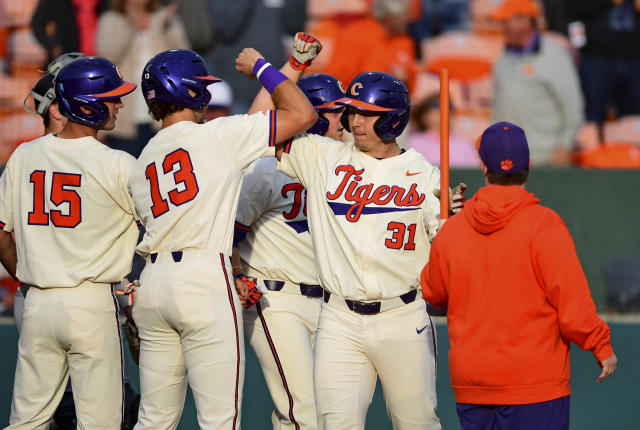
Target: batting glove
point(126, 288)
point(305, 49)
point(254, 294)
point(456, 197)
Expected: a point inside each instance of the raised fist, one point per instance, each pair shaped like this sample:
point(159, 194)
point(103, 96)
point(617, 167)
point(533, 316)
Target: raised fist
point(305, 49)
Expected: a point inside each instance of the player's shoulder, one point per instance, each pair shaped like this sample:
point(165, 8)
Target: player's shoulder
point(416, 162)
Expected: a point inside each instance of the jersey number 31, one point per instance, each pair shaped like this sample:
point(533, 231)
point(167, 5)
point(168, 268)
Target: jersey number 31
point(184, 175)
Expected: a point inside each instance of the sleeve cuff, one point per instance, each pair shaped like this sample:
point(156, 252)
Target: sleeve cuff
point(239, 233)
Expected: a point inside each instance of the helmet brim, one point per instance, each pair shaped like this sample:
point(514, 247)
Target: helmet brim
point(209, 78)
point(360, 105)
point(122, 90)
point(330, 105)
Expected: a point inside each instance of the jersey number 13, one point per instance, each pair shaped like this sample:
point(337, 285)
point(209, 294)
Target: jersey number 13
point(183, 175)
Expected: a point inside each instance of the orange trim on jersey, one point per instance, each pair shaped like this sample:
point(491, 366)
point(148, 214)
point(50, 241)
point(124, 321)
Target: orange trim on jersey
point(272, 127)
point(122, 90)
point(358, 104)
point(2, 225)
point(287, 145)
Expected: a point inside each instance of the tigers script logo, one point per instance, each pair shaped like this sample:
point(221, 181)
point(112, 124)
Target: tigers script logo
point(364, 194)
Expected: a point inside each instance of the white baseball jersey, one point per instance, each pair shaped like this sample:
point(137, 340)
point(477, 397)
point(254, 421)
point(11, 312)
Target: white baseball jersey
point(187, 180)
point(370, 220)
point(67, 201)
point(273, 211)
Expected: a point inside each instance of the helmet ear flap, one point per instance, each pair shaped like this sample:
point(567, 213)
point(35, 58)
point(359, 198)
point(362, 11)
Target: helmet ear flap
point(344, 120)
point(321, 126)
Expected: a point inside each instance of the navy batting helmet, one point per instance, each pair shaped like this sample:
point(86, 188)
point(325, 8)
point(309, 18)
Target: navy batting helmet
point(168, 77)
point(87, 82)
point(383, 94)
point(322, 90)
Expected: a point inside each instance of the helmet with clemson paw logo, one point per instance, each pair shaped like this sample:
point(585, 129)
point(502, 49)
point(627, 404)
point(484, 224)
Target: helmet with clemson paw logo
point(322, 90)
point(87, 82)
point(179, 77)
point(379, 93)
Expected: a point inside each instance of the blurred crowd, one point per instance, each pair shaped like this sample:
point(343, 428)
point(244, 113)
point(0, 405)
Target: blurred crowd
point(566, 71)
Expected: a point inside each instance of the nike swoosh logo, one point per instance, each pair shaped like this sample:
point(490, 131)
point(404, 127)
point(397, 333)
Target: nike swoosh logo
point(412, 173)
point(422, 329)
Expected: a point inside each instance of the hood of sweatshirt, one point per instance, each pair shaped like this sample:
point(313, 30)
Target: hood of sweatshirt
point(493, 206)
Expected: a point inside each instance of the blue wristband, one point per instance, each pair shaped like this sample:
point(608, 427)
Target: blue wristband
point(268, 75)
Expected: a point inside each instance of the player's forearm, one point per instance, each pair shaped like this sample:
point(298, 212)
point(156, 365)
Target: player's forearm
point(8, 256)
point(263, 99)
point(236, 263)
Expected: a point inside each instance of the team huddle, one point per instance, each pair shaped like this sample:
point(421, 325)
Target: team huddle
point(265, 225)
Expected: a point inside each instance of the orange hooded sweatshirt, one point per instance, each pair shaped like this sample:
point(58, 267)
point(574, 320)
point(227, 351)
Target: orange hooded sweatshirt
point(516, 294)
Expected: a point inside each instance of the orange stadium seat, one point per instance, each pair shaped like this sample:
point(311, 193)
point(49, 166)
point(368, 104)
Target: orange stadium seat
point(17, 13)
point(609, 156)
point(328, 8)
point(467, 56)
point(625, 129)
point(16, 129)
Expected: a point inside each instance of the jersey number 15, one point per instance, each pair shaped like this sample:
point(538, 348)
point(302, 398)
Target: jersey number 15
point(59, 195)
point(184, 175)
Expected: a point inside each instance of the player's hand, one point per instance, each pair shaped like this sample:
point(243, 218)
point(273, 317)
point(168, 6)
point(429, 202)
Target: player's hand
point(608, 367)
point(253, 296)
point(243, 289)
point(246, 60)
point(126, 288)
point(305, 49)
point(456, 197)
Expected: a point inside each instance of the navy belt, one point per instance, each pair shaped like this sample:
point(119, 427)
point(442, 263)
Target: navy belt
point(372, 308)
point(305, 289)
point(176, 255)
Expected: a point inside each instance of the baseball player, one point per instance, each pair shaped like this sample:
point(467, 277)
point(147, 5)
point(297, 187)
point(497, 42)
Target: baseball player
point(372, 213)
point(271, 227)
point(185, 186)
point(65, 197)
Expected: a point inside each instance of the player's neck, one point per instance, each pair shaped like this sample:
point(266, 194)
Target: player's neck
point(183, 115)
point(74, 130)
point(383, 150)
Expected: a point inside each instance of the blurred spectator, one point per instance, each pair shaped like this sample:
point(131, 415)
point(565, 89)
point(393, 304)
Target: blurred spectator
point(197, 21)
point(221, 101)
point(129, 34)
point(260, 24)
point(426, 140)
point(369, 43)
point(67, 25)
point(440, 16)
point(610, 57)
point(536, 85)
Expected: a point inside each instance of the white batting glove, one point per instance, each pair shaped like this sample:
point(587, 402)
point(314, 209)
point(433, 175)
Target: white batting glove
point(126, 288)
point(456, 197)
point(456, 201)
point(305, 49)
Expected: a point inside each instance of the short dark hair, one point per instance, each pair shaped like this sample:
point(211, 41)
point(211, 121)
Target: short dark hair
point(495, 178)
point(161, 110)
point(46, 119)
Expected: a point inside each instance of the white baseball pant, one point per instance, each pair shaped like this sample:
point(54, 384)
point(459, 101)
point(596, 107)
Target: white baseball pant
point(189, 315)
point(281, 329)
point(398, 345)
point(69, 331)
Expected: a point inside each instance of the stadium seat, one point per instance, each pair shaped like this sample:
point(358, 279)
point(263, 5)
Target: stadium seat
point(467, 56)
point(609, 156)
point(327, 8)
point(587, 136)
